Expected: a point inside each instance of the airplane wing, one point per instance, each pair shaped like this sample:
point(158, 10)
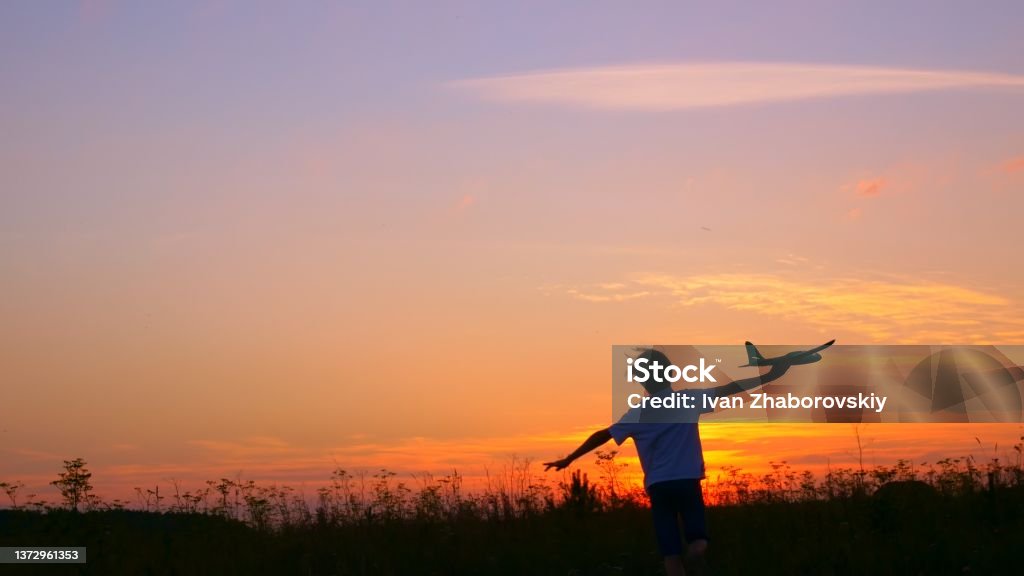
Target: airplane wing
point(805, 353)
point(820, 348)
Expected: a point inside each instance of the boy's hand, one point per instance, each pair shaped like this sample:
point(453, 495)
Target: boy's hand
point(557, 464)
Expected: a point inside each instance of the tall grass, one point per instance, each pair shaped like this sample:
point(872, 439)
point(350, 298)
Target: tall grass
point(953, 516)
point(515, 490)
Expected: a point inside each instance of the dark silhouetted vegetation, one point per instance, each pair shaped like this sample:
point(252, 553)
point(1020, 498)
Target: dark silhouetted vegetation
point(955, 516)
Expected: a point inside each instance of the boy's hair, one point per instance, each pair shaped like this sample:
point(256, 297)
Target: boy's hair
point(653, 356)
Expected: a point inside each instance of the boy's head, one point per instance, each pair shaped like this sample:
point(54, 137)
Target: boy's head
point(651, 355)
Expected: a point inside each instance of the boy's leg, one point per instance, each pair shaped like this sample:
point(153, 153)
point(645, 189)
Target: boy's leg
point(695, 526)
point(665, 508)
point(694, 521)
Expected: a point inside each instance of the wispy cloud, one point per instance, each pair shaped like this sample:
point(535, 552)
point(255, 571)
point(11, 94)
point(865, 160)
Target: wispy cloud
point(884, 309)
point(889, 309)
point(696, 85)
point(792, 260)
point(609, 292)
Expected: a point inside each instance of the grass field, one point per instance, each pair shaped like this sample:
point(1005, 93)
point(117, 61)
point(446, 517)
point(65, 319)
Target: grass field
point(951, 518)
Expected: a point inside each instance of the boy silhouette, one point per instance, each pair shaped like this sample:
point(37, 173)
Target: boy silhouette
point(668, 444)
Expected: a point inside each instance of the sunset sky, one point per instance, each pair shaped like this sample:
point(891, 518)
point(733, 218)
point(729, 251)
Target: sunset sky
point(239, 237)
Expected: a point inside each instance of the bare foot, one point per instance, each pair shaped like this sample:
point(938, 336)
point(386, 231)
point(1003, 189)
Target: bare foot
point(697, 548)
point(696, 561)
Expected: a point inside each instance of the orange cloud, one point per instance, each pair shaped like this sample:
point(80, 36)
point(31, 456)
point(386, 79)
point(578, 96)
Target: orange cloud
point(1013, 165)
point(870, 188)
point(467, 201)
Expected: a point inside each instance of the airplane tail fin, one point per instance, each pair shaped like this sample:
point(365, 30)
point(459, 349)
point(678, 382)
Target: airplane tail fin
point(753, 356)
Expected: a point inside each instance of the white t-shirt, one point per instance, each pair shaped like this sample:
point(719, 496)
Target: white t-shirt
point(668, 444)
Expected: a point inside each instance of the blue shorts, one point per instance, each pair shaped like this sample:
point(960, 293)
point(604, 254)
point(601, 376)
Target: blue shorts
point(670, 500)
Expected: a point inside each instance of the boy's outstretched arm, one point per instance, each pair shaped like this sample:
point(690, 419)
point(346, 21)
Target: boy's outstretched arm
point(739, 386)
point(596, 440)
